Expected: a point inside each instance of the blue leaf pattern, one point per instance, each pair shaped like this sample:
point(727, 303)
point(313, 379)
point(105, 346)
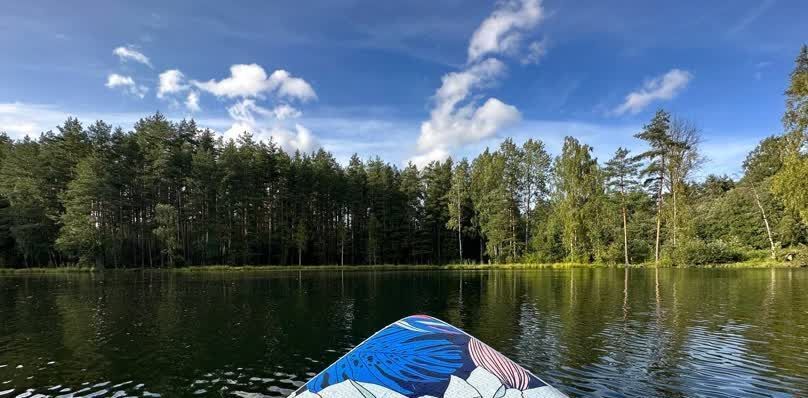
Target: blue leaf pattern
point(417, 356)
point(403, 355)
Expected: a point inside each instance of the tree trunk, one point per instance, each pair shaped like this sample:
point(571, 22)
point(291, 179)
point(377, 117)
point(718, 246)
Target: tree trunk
point(481, 248)
point(673, 193)
point(625, 234)
point(527, 217)
point(459, 234)
point(766, 222)
point(656, 248)
point(513, 235)
point(659, 211)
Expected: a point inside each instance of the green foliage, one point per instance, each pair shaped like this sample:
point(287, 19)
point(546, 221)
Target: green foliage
point(580, 196)
point(165, 219)
point(168, 193)
point(492, 203)
point(791, 185)
point(697, 252)
point(795, 119)
point(765, 160)
point(82, 232)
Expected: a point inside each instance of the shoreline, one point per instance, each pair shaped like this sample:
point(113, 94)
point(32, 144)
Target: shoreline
point(752, 264)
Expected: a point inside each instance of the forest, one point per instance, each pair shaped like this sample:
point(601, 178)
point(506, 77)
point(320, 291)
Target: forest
point(170, 194)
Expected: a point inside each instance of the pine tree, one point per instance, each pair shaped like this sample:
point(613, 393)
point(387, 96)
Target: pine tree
point(535, 173)
point(514, 180)
point(83, 223)
point(165, 220)
point(621, 175)
point(459, 199)
point(657, 135)
point(22, 182)
point(437, 177)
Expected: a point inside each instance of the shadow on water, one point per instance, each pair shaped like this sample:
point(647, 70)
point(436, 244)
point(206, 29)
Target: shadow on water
point(590, 332)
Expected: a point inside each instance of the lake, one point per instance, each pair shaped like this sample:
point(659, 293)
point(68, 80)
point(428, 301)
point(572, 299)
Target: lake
point(589, 332)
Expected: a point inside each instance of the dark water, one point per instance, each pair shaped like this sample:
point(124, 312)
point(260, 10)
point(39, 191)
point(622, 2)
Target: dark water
point(602, 332)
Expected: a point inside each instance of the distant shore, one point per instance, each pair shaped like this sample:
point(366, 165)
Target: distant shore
point(392, 267)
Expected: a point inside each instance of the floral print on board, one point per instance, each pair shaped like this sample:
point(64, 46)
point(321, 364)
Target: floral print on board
point(423, 357)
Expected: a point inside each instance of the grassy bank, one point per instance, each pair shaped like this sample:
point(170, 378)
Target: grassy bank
point(753, 263)
point(50, 270)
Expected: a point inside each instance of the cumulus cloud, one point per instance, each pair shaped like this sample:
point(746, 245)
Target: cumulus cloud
point(126, 84)
point(457, 118)
point(298, 138)
point(265, 124)
point(130, 54)
point(192, 101)
point(172, 81)
point(424, 159)
point(466, 125)
point(251, 81)
point(248, 109)
point(503, 30)
point(285, 111)
point(452, 123)
point(663, 87)
point(291, 87)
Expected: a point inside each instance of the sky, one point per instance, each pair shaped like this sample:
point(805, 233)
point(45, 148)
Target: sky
point(407, 81)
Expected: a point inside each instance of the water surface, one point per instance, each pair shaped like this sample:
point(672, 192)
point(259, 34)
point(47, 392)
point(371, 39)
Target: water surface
point(589, 332)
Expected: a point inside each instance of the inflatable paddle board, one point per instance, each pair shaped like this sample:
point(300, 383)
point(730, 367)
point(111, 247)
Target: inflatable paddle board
point(423, 357)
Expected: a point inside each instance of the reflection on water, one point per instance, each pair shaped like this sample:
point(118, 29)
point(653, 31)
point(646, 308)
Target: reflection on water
point(590, 332)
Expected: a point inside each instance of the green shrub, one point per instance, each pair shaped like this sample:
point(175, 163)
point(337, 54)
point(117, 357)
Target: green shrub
point(697, 252)
point(796, 256)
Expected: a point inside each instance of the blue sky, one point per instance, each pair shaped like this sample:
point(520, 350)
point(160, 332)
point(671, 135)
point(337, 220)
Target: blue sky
point(415, 80)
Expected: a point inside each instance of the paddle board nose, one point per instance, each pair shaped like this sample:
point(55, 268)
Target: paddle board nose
point(423, 357)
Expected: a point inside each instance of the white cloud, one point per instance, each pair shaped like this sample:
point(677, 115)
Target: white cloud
point(127, 84)
point(457, 119)
point(247, 109)
point(503, 30)
point(244, 81)
point(360, 134)
point(297, 139)
point(192, 101)
point(424, 159)
point(535, 52)
point(453, 124)
point(251, 81)
point(664, 87)
point(116, 80)
point(172, 81)
point(19, 119)
point(285, 111)
point(129, 53)
point(291, 87)
point(466, 125)
point(265, 124)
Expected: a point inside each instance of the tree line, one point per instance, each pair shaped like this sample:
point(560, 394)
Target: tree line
point(171, 194)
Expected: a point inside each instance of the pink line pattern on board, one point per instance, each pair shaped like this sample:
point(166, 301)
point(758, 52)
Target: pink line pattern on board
point(508, 372)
